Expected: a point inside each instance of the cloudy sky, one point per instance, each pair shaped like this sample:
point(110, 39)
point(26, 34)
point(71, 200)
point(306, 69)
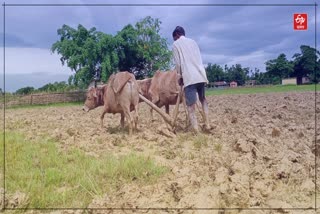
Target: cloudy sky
point(249, 35)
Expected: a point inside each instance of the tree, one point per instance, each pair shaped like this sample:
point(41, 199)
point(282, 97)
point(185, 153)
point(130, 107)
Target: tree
point(143, 50)
point(25, 90)
point(138, 49)
point(306, 63)
point(279, 68)
point(78, 49)
point(236, 73)
point(154, 49)
point(56, 87)
point(214, 73)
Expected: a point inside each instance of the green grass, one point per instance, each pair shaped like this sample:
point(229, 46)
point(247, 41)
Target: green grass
point(54, 178)
point(200, 141)
point(266, 89)
point(47, 105)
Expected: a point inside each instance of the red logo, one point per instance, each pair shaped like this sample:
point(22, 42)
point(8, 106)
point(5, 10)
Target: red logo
point(300, 21)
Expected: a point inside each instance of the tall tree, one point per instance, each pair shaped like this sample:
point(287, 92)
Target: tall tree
point(236, 73)
point(279, 68)
point(139, 49)
point(143, 49)
point(214, 72)
point(78, 51)
point(153, 48)
point(25, 90)
point(306, 63)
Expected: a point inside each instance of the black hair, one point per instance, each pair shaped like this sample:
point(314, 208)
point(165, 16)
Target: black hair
point(178, 31)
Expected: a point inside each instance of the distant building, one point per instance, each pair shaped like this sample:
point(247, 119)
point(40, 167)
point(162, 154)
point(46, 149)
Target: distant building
point(289, 81)
point(303, 80)
point(210, 85)
point(220, 84)
point(306, 80)
point(250, 82)
point(233, 84)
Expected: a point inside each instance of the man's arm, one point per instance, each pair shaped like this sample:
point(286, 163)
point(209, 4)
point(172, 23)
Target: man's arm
point(177, 60)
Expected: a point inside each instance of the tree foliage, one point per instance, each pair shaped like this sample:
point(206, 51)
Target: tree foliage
point(25, 90)
point(236, 73)
point(214, 73)
point(50, 87)
point(307, 63)
point(56, 87)
point(138, 49)
point(279, 68)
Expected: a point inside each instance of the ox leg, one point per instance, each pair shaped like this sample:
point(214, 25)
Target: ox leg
point(127, 114)
point(167, 108)
point(136, 117)
point(151, 114)
point(167, 111)
point(170, 127)
point(122, 120)
point(102, 117)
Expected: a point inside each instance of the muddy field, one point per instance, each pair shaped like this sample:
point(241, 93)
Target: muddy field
point(259, 154)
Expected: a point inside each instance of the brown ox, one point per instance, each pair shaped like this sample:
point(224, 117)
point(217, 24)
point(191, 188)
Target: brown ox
point(120, 95)
point(162, 89)
point(144, 86)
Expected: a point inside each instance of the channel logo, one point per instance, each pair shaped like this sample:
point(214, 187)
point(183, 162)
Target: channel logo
point(300, 21)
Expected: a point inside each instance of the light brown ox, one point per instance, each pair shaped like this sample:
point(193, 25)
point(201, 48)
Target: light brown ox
point(120, 95)
point(162, 89)
point(144, 86)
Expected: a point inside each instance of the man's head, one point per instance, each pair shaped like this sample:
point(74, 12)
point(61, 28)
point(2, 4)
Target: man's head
point(178, 31)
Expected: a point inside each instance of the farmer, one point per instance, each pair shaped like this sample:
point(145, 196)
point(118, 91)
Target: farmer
point(188, 62)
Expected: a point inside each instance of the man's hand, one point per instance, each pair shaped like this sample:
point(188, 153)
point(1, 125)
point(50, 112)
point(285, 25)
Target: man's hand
point(180, 81)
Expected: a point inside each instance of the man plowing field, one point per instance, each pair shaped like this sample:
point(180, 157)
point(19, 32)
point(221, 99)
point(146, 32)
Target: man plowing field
point(189, 64)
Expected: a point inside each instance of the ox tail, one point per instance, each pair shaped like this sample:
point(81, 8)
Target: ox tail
point(131, 90)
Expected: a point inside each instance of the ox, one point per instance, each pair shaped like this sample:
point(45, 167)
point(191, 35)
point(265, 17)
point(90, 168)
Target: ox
point(119, 95)
point(144, 86)
point(162, 89)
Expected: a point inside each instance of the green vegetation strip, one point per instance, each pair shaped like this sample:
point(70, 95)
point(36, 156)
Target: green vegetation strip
point(267, 89)
point(47, 105)
point(54, 178)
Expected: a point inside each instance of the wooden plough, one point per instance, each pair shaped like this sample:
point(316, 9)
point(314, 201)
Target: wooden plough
point(170, 121)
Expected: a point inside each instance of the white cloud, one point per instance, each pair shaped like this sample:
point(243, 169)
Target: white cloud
point(255, 59)
point(33, 60)
point(215, 58)
point(38, 25)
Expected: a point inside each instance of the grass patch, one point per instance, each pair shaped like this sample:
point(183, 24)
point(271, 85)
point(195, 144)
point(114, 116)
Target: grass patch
point(184, 137)
point(53, 178)
point(200, 141)
point(218, 147)
point(267, 89)
point(47, 105)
